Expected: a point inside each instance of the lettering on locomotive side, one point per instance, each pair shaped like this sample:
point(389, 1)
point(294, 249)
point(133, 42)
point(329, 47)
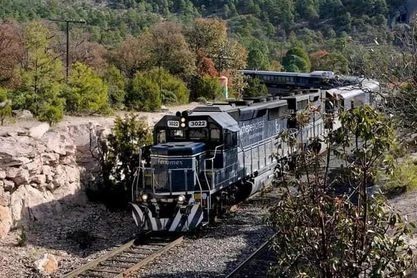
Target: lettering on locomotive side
point(250, 128)
point(170, 162)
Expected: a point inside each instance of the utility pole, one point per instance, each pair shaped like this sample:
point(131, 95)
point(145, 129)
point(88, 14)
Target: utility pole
point(67, 22)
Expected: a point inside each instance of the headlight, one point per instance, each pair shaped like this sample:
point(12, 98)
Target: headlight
point(181, 198)
point(145, 197)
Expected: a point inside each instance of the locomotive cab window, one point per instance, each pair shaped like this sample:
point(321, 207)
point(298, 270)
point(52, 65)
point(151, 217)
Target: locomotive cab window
point(215, 134)
point(162, 136)
point(198, 133)
point(177, 133)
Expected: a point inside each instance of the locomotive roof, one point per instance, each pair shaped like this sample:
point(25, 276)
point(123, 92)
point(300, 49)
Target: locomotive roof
point(223, 119)
point(245, 110)
point(240, 105)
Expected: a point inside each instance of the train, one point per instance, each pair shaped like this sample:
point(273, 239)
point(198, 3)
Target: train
point(211, 157)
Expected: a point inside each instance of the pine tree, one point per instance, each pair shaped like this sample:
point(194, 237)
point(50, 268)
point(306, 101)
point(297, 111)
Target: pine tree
point(41, 74)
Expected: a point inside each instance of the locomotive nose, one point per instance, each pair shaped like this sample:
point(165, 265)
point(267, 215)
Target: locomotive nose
point(176, 165)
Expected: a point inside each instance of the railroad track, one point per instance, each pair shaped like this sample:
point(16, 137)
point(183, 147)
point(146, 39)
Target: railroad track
point(126, 259)
point(257, 264)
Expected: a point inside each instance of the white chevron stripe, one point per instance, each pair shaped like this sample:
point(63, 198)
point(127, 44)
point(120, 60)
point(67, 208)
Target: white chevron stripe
point(176, 221)
point(137, 214)
point(190, 218)
point(153, 222)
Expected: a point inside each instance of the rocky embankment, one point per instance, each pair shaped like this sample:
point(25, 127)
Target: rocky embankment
point(41, 170)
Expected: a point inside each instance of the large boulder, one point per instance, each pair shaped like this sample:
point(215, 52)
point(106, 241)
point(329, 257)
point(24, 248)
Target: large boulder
point(39, 130)
point(16, 151)
point(59, 143)
point(18, 175)
point(47, 265)
point(28, 203)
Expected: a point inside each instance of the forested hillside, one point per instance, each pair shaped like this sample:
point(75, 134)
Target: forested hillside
point(139, 54)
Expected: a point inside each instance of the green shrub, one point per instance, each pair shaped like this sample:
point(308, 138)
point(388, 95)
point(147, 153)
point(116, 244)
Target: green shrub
point(207, 87)
point(168, 97)
point(118, 155)
point(5, 107)
point(402, 179)
point(255, 88)
point(116, 87)
point(169, 82)
point(143, 94)
point(51, 113)
point(23, 239)
point(86, 91)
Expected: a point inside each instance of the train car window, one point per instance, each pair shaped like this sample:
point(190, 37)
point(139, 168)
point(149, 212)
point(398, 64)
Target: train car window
point(177, 133)
point(215, 134)
point(162, 136)
point(198, 133)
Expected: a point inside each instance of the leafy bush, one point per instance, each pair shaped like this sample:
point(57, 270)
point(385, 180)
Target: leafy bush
point(255, 88)
point(402, 179)
point(51, 112)
point(116, 87)
point(118, 155)
point(322, 233)
point(143, 94)
point(5, 106)
point(86, 91)
point(169, 82)
point(207, 87)
point(23, 238)
point(296, 60)
point(168, 97)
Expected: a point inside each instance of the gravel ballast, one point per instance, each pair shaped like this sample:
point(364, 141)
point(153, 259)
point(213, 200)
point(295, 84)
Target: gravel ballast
point(83, 233)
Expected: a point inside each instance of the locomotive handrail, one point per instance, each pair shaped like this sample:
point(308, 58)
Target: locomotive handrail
point(226, 181)
point(212, 164)
point(199, 185)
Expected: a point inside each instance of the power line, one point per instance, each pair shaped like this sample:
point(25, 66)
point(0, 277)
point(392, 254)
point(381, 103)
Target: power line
point(67, 22)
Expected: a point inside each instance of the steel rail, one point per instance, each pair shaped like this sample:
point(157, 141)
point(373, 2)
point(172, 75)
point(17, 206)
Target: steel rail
point(125, 247)
point(248, 259)
point(150, 257)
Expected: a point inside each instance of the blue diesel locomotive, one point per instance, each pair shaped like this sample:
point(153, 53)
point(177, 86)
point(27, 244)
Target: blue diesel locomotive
point(213, 156)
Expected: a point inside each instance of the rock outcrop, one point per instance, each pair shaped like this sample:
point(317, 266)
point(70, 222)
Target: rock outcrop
point(40, 171)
